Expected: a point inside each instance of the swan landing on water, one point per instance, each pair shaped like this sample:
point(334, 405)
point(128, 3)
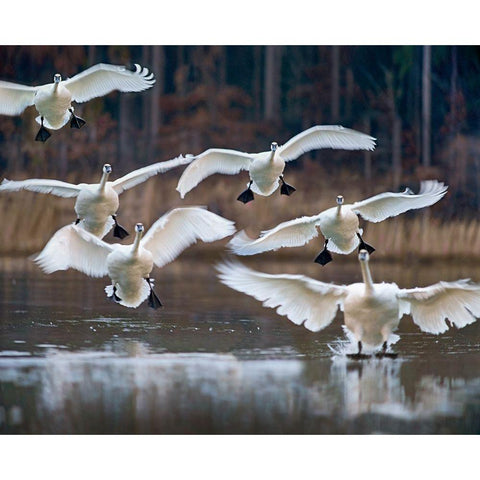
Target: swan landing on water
point(266, 168)
point(53, 101)
point(129, 266)
point(372, 311)
point(97, 203)
point(339, 225)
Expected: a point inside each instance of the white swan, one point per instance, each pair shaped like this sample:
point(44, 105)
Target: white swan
point(97, 203)
point(339, 225)
point(266, 168)
point(372, 311)
point(129, 266)
point(54, 100)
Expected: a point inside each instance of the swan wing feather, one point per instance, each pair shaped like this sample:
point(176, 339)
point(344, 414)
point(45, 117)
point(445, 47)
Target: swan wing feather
point(138, 176)
point(293, 233)
point(15, 98)
point(54, 187)
point(430, 307)
point(182, 227)
point(73, 247)
point(102, 79)
point(213, 160)
point(301, 299)
point(389, 204)
point(325, 136)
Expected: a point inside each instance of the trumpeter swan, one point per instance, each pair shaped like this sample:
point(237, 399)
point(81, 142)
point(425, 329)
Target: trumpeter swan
point(53, 101)
point(266, 168)
point(129, 266)
point(339, 225)
point(96, 203)
point(372, 311)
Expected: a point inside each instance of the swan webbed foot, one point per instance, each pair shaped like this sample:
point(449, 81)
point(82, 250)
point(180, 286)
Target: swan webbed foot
point(43, 134)
point(153, 300)
point(359, 355)
point(384, 354)
point(364, 246)
point(285, 188)
point(76, 122)
point(114, 297)
point(77, 221)
point(118, 230)
point(247, 195)
point(324, 256)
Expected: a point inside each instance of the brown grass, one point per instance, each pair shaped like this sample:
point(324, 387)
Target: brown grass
point(30, 219)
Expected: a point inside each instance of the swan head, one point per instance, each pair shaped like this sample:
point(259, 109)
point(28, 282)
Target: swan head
point(57, 78)
point(107, 168)
point(273, 146)
point(339, 200)
point(363, 256)
point(139, 228)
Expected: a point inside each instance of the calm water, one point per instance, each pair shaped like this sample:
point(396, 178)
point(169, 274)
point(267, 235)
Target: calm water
point(215, 361)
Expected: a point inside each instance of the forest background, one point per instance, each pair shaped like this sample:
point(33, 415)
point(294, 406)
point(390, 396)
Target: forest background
point(420, 102)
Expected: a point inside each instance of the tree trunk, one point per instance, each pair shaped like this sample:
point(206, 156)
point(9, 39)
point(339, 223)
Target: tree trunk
point(335, 91)
point(426, 106)
point(158, 61)
point(273, 65)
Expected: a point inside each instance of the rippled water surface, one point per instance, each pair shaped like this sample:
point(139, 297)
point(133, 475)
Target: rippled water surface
point(215, 361)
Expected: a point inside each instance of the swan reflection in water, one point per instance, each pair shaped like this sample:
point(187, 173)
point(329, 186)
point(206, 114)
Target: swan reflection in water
point(143, 392)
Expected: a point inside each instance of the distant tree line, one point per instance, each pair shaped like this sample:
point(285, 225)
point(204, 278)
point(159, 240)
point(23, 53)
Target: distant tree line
point(420, 102)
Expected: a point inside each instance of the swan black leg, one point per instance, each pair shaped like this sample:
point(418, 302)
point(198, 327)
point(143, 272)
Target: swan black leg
point(43, 134)
point(324, 256)
point(384, 352)
point(359, 355)
point(76, 122)
point(286, 189)
point(118, 230)
point(364, 246)
point(114, 295)
point(247, 195)
point(153, 300)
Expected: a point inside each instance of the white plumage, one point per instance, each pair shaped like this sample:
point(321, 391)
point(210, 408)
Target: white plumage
point(53, 101)
point(266, 168)
point(339, 225)
point(96, 203)
point(372, 311)
point(129, 266)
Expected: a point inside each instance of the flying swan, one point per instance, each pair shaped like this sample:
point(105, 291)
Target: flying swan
point(96, 203)
point(372, 311)
point(339, 225)
point(266, 168)
point(53, 101)
point(129, 266)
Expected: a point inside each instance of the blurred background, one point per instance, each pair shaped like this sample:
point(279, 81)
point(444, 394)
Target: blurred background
point(420, 102)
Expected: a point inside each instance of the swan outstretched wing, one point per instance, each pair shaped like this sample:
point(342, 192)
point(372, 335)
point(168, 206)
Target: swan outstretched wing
point(293, 233)
point(389, 204)
point(15, 98)
point(73, 247)
point(459, 302)
point(138, 176)
point(102, 79)
point(54, 187)
point(301, 299)
point(178, 229)
point(213, 160)
point(325, 136)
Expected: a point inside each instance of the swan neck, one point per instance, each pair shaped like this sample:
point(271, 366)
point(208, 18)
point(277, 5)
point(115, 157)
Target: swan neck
point(103, 181)
point(367, 277)
point(339, 210)
point(272, 155)
point(136, 243)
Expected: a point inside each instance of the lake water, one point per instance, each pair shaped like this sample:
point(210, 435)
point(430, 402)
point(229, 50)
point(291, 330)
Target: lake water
point(215, 361)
